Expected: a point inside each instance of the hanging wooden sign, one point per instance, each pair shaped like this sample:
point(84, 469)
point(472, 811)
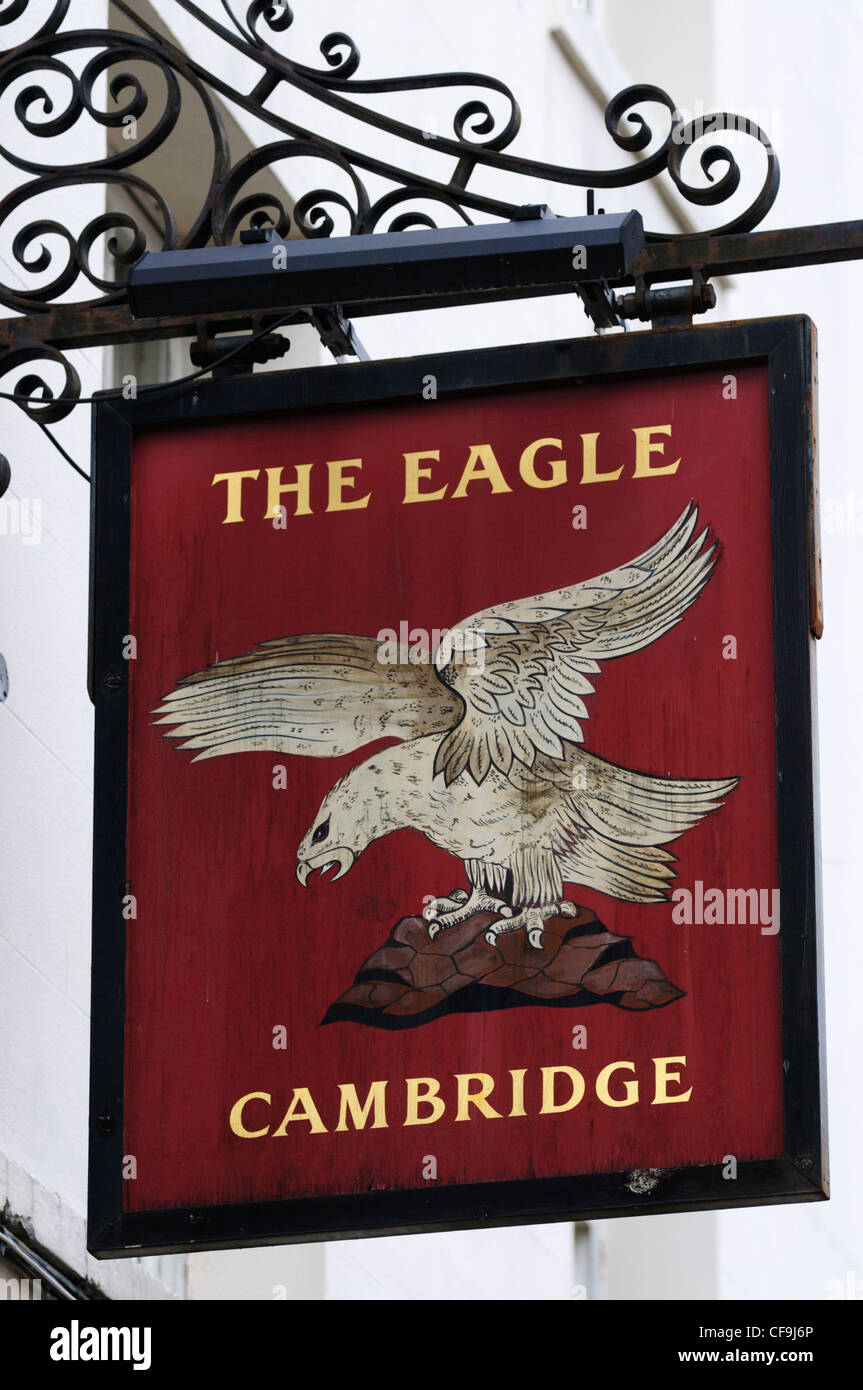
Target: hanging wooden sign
point(455, 846)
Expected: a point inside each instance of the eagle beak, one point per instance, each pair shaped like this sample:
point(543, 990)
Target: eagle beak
point(341, 856)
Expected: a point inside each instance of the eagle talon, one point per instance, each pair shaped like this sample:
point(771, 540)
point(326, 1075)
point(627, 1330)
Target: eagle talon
point(440, 908)
point(443, 913)
point(531, 919)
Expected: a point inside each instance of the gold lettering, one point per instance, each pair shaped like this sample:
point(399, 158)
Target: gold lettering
point(236, 1118)
point(589, 473)
point(302, 1107)
point(428, 1096)
point(467, 1097)
point(413, 474)
point(338, 483)
point(235, 491)
point(517, 1091)
point(645, 446)
point(527, 465)
point(481, 463)
point(275, 488)
point(663, 1076)
point(549, 1104)
point(359, 1114)
point(630, 1088)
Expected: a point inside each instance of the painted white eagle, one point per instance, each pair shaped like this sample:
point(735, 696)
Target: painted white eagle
point(490, 766)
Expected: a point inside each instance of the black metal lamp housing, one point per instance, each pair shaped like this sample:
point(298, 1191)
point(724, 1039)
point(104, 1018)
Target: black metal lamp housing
point(537, 254)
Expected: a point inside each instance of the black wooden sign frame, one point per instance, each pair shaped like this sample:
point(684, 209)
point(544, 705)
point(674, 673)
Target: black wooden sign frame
point(787, 347)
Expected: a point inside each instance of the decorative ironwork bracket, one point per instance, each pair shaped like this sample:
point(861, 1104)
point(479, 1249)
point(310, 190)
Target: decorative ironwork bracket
point(133, 85)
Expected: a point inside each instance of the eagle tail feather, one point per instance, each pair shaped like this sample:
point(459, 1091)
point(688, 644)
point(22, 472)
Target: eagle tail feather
point(613, 824)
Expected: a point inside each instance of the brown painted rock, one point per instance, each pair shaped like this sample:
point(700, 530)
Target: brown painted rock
point(412, 979)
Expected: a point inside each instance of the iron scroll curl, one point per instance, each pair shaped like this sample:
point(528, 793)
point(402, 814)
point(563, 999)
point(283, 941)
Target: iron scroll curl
point(137, 77)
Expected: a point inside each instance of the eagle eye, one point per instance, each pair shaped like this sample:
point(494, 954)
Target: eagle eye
point(321, 832)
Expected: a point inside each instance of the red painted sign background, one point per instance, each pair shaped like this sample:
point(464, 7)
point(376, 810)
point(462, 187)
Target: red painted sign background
point(227, 945)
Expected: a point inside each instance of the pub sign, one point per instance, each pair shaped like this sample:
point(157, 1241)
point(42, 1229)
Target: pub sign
point(455, 856)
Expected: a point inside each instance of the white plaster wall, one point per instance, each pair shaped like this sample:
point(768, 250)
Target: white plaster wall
point(811, 80)
point(701, 52)
point(45, 816)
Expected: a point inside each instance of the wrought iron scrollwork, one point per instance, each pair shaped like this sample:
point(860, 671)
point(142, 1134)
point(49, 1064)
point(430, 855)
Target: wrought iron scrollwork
point(136, 78)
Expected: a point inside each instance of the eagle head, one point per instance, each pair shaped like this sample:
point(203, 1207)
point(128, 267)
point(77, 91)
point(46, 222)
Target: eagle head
point(346, 823)
point(318, 850)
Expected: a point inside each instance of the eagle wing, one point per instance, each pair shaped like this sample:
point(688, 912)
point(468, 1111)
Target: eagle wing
point(524, 696)
point(318, 694)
